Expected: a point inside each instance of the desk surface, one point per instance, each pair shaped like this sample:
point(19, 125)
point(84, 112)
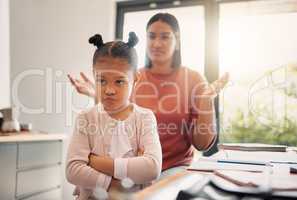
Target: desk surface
point(169, 187)
point(30, 137)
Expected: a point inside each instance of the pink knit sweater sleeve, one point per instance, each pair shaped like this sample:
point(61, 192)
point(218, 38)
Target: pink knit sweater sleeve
point(146, 168)
point(77, 170)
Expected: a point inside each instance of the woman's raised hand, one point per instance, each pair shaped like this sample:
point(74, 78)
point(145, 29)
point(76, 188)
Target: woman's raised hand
point(215, 87)
point(83, 85)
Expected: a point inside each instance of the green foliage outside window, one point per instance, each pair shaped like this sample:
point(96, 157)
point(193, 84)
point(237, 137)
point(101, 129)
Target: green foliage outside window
point(249, 128)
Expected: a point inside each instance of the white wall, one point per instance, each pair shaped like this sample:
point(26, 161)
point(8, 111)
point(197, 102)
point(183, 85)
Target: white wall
point(4, 54)
point(49, 38)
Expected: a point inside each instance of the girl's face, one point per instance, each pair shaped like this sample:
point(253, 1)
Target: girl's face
point(114, 82)
point(161, 42)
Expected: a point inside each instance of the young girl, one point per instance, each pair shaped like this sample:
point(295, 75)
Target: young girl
point(107, 138)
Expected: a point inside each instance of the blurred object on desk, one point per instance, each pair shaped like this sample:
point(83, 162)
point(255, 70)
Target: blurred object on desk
point(26, 127)
point(217, 188)
point(211, 165)
point(258, 156)
point(194, 184)
point(278, 181)
point(292, 149)
point(10, 126)
point(10, 122)
point(293, 169)
point(252, 147)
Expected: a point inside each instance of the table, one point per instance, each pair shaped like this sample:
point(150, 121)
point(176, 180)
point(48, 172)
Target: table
point(169, 187)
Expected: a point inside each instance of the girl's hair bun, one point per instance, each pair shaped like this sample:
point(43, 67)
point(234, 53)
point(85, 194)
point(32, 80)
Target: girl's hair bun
point(96, 40)
point(133, 40)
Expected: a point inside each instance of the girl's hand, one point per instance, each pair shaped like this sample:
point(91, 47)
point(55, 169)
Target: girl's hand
point(213, 89)
point(140, 152)
point(101, 164)
point(84, 85)
point(91, 160)
point(115, 184)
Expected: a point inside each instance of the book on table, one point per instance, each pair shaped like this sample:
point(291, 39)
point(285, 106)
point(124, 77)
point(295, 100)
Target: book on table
point(243, 178)
point(252, 147)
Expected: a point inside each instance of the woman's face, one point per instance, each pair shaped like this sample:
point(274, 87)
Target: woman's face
point(161, 42)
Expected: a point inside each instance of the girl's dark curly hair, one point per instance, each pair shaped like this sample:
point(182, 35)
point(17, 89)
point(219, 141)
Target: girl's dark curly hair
point(116, 49)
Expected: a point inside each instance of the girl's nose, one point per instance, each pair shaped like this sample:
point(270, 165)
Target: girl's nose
point(109, 90)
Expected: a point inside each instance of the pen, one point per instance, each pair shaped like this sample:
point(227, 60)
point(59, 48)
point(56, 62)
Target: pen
point(244, 162)
point(284, 162)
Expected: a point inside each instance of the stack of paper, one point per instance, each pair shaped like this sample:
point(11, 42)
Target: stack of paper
point(243, 178)
point(257, 156)
point(210, 166)
point(252, 147)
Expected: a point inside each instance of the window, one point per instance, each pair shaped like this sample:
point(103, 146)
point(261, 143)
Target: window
point(258, 46)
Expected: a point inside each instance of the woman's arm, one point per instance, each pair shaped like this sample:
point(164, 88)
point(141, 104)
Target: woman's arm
point(83, 85)
point(203, 94)
point(204, 132)
point(141, 169)
point(77, 170)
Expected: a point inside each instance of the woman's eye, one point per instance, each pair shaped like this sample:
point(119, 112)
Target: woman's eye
point(151, 37)
point(165, 37)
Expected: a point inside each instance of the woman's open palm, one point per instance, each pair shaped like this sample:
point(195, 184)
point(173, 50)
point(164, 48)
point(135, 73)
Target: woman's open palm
point(84, 85)
point(213, 89)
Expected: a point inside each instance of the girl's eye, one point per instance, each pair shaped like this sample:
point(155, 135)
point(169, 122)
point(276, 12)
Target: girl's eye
point(120, 82)
point(102, 81)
